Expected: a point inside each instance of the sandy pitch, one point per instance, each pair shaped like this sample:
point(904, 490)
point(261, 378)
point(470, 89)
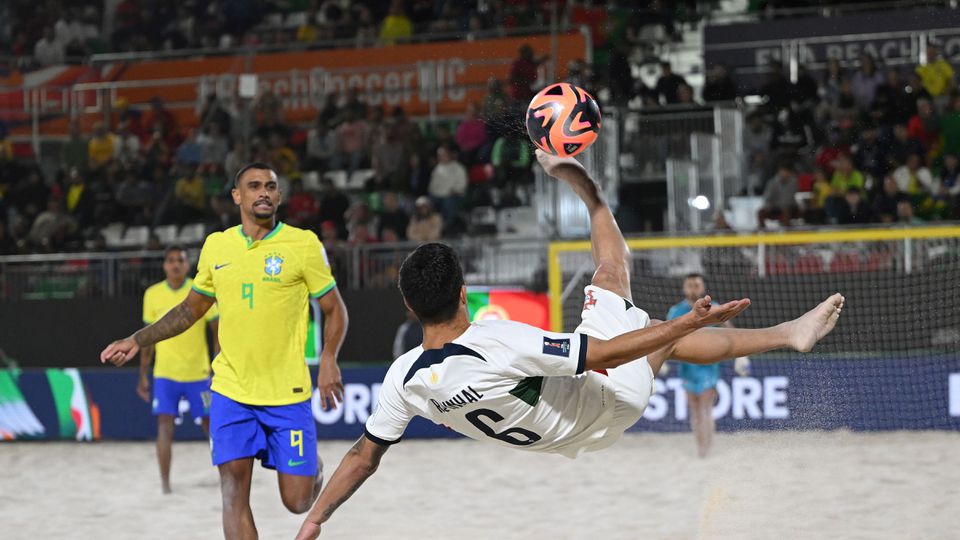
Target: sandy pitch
point(755, 485)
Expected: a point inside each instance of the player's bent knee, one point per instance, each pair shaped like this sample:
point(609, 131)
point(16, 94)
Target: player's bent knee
point(613, 278)
point(297, 505)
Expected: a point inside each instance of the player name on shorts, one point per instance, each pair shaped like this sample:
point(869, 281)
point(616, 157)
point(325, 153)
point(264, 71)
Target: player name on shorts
point(465, 396)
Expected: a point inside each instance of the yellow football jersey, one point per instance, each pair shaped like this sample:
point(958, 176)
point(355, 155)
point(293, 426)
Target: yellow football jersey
point(183, 358)
point(263, 289)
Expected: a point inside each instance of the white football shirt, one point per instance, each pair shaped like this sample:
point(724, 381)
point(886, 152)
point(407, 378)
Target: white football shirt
point(500, 381)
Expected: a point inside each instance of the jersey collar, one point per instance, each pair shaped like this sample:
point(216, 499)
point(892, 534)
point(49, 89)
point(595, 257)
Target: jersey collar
point(186, 283)
point(251, 243)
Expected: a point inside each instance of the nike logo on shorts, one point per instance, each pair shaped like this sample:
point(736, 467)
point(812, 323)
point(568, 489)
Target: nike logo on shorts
point(292, 463)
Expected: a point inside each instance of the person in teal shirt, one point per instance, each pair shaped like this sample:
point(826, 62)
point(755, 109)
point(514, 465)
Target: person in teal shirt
point(700, 381)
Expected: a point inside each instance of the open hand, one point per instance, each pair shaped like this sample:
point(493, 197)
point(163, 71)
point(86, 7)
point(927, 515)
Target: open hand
point(329, 384)
point(707, 314)
point(555, 165)
point(308, 531)
point(120, 352)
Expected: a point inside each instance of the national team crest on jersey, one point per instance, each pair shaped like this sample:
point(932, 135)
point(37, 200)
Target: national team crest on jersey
point(556, 347)
point(589, 301)
point(273, 265)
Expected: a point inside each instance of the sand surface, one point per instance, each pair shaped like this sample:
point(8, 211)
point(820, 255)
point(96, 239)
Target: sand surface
point(755, 485)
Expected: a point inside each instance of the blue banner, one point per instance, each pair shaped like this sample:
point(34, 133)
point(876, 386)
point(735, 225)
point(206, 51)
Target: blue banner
point(856, 394)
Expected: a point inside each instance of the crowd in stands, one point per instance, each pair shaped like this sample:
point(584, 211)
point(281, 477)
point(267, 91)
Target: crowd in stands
point(863, 144)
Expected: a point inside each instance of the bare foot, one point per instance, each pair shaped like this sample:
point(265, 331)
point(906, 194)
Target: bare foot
point(166, 489)
point(806, 331)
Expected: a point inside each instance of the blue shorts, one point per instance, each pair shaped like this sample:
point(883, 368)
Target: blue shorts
point(167, 394)
point(282, 437)
point(697, 379)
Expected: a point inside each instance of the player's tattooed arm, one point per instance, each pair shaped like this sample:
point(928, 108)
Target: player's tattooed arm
point(360, 462)
point(176, 321)
point(173, 323)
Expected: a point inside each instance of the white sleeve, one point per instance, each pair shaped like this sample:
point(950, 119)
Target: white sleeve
point(389, 420)
point(534, 352)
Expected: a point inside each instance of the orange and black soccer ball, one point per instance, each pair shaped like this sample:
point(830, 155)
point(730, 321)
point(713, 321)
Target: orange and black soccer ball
point(563, 119)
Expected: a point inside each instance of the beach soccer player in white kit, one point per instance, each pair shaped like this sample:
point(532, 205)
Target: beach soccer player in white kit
point(524, 388)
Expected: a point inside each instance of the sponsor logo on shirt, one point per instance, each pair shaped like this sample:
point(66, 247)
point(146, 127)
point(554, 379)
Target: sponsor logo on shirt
point(556, 347)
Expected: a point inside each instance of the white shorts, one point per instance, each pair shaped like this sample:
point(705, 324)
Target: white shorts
point(606, 315)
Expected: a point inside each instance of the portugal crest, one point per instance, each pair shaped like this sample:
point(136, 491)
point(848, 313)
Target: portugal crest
point(273, 264)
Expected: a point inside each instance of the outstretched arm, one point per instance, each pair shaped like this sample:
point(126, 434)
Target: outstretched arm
point(357, 465)
point(176, 321)
point(608, 354)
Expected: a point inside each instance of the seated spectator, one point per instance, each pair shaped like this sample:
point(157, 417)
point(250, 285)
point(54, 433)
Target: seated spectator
point(776, 89)
point(756, 149)
point(234, 159)
point(308, 29)
point(805, 91)
point(52, 228)
point(471, 135)
point(79, 199)
point(821, 191)
point(302, 209)
point(351, 136)
point(390, 162)
point(891, 100)
point(425, 224)
point(897, 148)
point(844, 178)
point(156, 152)
point(127, 148)
point(792, 133)
point(523, 73)
point(886, 201)
point(8, 245)
point(833, 148)
point(905, 213)
point(161, 118)
point(213, 146)
point(866, 80)
point(936, 74)
point(868, 153)
point(406, 131)
point(925, 127)
point(48, 51)
point(913, 178)
point(75, 152)
point(511, 167)
point(949, 181)
point(330, 113)
point(101, 148)
point(329, 235)
point(668, 85)
point(132, 198)
point(353, 104)
point(29, 196)
point(855, 210)
point(361, 235)
point(393, 217)
point(950, 125)
point(396, 25)
point(360, 214)
point(282, 157)
point(333, 207)
point(189, 197)
point(321, 144)
point(448, 183)
point(190, 152)
point(719, 85)
point(779, 197)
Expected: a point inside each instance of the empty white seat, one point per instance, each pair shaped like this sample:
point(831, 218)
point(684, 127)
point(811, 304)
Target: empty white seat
point(311, 181)
point(135, 237)
point(358, 180)
point(192, 234)
point(339, 178)
point(167, 234)
point(519, 221)
point(113, 234)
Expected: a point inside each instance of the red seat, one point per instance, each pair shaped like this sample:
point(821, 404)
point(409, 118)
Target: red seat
point(845, 262)
point(809, 263)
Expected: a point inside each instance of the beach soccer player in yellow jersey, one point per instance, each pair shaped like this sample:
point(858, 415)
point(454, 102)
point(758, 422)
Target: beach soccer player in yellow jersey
point(261, 274)
point(182, 368)
point(520, 387)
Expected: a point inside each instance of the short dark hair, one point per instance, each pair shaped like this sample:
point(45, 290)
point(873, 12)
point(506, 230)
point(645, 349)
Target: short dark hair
point(258, 165)
point(171, 249)
point(694, 275)
point(430, 281)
